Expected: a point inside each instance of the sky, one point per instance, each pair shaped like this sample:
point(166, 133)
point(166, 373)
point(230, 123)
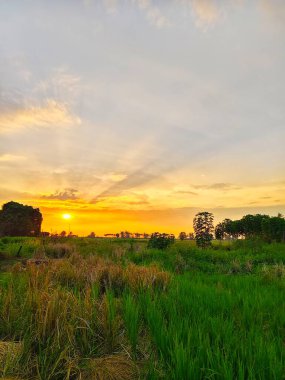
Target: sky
point(137, 114)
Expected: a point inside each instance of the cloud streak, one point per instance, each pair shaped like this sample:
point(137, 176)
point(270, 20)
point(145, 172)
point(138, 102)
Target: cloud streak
point(50, 114)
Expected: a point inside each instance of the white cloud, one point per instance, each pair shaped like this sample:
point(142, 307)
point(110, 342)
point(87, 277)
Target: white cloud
point(206, 12)
point(153, 13)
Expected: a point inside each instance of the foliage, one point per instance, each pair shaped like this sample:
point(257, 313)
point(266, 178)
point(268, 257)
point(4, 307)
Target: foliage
point(19, 220)
point(182, 235)
point(203, 228)
point(253, 226)
point(222, 229)
point(160, 241)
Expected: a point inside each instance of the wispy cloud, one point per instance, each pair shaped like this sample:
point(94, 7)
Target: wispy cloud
point(11, 158)
point(274, 9)
point(206, 12)
point(218, 186)
point(131, 181)
point(153, 13)
point(49, 114)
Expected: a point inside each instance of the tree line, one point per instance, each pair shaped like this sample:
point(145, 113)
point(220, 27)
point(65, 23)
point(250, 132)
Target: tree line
point(268, 228)
point(20, 220)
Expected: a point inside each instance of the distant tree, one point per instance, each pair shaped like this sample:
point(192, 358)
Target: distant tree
point(92, 235)
point(191, 236)
point(160, 240)
point(62, 234)
point(20, 220)
point(203, 228)
point(182, 235)
point(125, 234)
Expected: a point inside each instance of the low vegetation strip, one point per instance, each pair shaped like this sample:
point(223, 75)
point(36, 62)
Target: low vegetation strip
point(105, 309)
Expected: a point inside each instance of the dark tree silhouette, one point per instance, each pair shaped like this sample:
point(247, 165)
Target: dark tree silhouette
point(20, 220)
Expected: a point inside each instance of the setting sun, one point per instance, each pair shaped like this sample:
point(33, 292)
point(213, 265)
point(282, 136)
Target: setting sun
point(66, 216)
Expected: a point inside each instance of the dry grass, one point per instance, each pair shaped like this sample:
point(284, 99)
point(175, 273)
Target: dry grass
point(82, 273)
point(10, 353)
point(112, 367)
point(146, 277)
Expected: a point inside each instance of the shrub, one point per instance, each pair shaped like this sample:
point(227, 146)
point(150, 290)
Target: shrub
point(160, 241)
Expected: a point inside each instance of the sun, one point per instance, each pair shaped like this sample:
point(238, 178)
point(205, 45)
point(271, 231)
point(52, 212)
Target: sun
point(66, 216)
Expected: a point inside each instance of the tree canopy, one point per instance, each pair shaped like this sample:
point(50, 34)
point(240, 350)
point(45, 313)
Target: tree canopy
point(17, 219)
point(252, 226)
point(203, 228)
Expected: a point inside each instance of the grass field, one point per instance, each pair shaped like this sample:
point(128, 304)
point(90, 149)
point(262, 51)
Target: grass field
point(114, 309)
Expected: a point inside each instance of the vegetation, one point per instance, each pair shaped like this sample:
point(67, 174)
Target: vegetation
point(253, 226)
point(160, 241)
point(203, 228)
point(19, 220)
point(116, 309)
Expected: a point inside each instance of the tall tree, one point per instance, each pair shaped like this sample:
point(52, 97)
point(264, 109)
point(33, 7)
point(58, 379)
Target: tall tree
point(203, 228)
point(20, 220)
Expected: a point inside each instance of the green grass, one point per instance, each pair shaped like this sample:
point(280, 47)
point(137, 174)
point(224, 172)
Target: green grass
point(107, 307)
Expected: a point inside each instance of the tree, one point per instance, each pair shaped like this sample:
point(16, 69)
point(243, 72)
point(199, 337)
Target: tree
point(20, 220)
point(191, 236)
point(92, 235)
point(182, 235)
point(203, 228)
point(222, 230)
point(160, 241)
point(63, 234)
point(274, 228)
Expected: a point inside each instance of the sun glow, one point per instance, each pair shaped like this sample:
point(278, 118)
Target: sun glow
point(66, 216)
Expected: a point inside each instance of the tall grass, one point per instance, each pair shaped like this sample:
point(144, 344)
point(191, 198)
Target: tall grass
point(116, 313)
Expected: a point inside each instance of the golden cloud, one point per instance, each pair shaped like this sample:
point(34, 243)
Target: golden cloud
point(51, 114)
point(11, 158)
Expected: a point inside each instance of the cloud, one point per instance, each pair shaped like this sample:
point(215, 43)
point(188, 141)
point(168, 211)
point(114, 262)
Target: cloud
point(185, 192)
point(11, 194)
point(206, 12)
point(221, 186)
point(218, 186)
point(153, 14)
point(50, 114)
point(274, 10)
point(11, 158)
point(132, 180)
point(61, 84)
point(66, 195)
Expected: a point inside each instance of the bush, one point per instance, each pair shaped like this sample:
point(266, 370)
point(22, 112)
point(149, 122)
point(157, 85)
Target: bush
point(160, 241)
